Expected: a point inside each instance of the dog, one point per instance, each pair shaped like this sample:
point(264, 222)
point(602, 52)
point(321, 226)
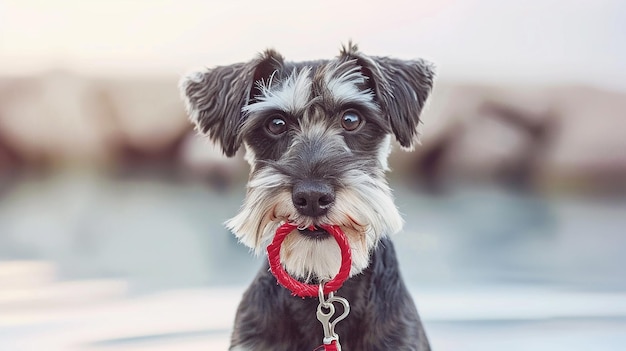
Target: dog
point(317, 136)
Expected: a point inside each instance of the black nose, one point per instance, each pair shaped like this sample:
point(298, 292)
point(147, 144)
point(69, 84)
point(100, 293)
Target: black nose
point(312, 197)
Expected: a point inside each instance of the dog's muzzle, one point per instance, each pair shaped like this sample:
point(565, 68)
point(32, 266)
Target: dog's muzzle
point(312, 198)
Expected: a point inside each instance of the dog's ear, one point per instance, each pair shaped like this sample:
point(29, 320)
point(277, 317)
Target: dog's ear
point(400, 87)
point(214, 97)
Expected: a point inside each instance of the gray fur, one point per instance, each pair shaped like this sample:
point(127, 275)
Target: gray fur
point(234, 104)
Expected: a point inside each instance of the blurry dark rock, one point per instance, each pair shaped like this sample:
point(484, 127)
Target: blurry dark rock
point(528, 137)
point(516, 168)
point(132, 125)
point(532, 137)
point(53, 118)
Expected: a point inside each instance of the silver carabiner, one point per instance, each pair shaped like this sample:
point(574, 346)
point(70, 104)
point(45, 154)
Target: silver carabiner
point(325, 317)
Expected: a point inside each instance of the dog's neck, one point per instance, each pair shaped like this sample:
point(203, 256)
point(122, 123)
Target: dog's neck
point(378, 299)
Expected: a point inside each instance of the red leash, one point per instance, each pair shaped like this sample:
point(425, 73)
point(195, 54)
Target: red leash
point(308, 290)
point(331, 339)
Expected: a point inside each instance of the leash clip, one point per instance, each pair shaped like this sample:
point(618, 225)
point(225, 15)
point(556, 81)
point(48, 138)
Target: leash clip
point(330, 337)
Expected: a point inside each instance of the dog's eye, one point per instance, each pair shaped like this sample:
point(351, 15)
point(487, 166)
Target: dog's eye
point(350, 121)
point(276, 125)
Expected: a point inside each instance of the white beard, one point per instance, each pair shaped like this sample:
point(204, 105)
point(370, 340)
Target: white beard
point(364, 211)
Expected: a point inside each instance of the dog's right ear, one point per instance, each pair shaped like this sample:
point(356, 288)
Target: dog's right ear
point(214, 97)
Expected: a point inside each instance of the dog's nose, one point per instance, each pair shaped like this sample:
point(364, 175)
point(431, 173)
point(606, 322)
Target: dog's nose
point(312, 198)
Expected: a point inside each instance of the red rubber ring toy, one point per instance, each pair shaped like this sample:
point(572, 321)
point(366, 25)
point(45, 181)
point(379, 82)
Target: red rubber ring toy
point(301, 289)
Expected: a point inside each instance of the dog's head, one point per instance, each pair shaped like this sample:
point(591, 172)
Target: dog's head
point(317, 136)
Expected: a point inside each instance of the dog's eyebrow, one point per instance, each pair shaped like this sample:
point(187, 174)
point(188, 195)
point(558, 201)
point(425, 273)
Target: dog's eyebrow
point(291, 95)
point(342, 83)
point(343, 79)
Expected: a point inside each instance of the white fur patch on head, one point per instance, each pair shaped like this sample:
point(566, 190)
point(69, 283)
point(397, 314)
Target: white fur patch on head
point(292, 95)
point(342, 82)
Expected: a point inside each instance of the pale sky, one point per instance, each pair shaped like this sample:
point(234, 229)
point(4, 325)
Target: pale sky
point(494, 40)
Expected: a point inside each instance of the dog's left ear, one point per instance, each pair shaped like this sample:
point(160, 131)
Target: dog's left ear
point(214, 97)
point(400, 87)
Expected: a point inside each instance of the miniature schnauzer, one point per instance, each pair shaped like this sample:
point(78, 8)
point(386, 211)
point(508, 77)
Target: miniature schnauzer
point(317, 135)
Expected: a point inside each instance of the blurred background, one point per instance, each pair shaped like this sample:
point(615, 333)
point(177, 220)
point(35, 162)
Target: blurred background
point(111, 207)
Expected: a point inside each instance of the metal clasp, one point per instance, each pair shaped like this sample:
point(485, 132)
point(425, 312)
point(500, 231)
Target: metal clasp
point(326, 317)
